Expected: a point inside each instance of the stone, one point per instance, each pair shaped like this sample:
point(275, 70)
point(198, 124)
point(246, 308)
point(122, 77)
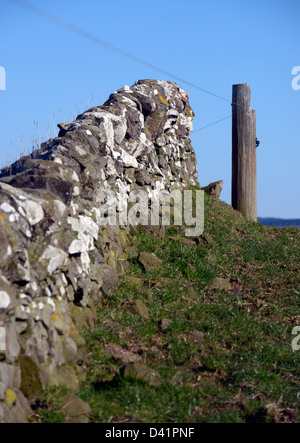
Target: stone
point(197, 336)
point(138, 371)
point(10, 398)
point(23, 402)
point(164, 324)
point(141, 309)
point(7, 375)
point(117, 327)
point(121, 354)
point(19, 416)
point(110, 279)
point(2, 391)
point(31, 384)
point(75, 408)
point(182, 240)
point(214, 189)
point(12, 343)
point(207, 239)
point(4, 300)
point(133, 281)
point(70, 351)
point(54, 257)
point(6, 415)
point(149, 261)
point(65, 377)
point(221, 284)
point(83, 317)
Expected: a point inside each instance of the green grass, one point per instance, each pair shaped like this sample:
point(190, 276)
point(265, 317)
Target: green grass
point(243, 370)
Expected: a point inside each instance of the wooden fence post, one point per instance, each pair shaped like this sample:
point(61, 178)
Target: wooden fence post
point(244, 187)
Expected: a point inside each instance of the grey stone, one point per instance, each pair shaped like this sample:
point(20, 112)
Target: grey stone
point(149, 261)
point(121, 354)
point(214, 189)
point(141, 309)
point(2, 390)
point(221, 284)
point(109, 277)
point(70, 351)
point(76, 409)
point(197, 336)
point(141, 372)
point(164, 324)
point(12, 343)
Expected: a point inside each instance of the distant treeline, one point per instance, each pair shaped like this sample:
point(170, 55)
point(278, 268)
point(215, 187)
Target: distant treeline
point(279, 222)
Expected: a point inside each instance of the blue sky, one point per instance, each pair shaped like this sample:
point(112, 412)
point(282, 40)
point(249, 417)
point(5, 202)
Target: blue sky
point(52, 75)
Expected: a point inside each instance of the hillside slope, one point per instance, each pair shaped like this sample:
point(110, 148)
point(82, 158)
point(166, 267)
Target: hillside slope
point(200, 332)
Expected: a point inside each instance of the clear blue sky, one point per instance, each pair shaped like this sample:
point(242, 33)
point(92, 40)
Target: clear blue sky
point(53, 75)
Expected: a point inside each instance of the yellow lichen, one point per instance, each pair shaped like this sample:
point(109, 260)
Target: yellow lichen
point(159, 94)
point(10, 397)
point(190, 114)
point(1, 217)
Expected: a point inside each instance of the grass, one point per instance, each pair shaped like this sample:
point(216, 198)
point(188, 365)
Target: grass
point(242, 369)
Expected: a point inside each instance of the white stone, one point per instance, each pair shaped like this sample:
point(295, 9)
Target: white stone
point(75, 177)
point(84, 244)
point(7, 207)
point(57, 160)
point(34, 211)
point(22, 212)
point(76, 191)
point(64, 279)
point(84, 225)
point(128, 159)
point(110, 168)
point(60, 207)
point(80, 151)
point(51, 303)
point(85, 261)
point(2, 339)
point(4, 300)
point(24, 273)
point(127, 88)
point(34, 286)
point(57, 257)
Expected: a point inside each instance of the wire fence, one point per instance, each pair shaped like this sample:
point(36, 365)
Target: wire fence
point(36, 10)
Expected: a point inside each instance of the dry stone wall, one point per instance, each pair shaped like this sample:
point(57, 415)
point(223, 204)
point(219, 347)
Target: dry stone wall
point(56, 257)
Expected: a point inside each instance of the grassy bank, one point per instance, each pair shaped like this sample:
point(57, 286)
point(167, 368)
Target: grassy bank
point(212, 325)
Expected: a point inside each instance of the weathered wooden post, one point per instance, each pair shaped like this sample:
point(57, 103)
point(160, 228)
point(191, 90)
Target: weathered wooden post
point(244, 188)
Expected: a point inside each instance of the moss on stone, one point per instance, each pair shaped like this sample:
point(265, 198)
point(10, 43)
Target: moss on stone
point(31, 384)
